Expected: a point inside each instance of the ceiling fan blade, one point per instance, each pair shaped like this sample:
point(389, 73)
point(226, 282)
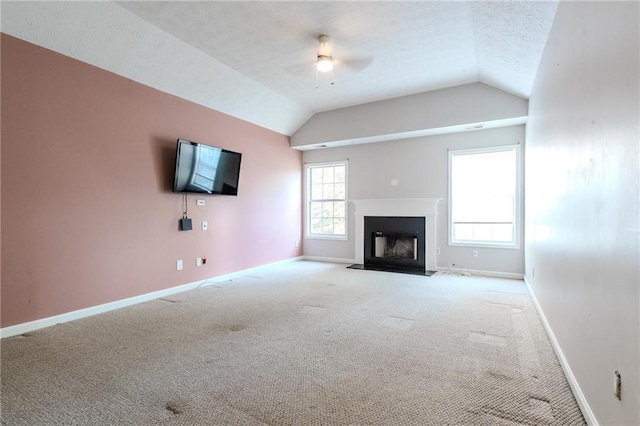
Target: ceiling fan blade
point(355, 64)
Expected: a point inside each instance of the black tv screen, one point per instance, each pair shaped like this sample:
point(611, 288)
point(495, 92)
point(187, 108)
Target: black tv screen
point(205, 169)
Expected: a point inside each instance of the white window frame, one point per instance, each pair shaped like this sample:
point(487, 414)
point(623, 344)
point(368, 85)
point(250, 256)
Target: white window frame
point(517, 225)
point(307, 203)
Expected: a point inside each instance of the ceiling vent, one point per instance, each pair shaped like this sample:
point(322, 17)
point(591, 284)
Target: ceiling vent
point(475, 127)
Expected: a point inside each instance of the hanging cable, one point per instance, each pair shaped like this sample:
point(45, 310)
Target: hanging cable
point(184, 215)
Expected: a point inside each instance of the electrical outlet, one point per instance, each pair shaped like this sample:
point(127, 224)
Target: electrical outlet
point(437, 250)
point(475, 253)
point(199, 261)
point(179, 265)
point(617, 385)
point(200, 202)
point(205, 225)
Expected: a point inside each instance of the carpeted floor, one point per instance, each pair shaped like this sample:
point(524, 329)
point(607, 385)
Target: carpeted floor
point(306, 343)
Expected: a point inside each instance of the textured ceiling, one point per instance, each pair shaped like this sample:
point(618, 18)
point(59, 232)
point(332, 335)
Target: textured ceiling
point(411, 47)
point(255, 60)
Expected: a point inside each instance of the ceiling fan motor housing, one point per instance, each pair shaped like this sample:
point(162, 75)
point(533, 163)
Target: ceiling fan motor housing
point(324, 60)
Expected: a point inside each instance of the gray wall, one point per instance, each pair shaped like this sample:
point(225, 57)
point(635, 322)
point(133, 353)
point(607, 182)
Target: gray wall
point(582, 200)
point(420, 166)
point(428, 113)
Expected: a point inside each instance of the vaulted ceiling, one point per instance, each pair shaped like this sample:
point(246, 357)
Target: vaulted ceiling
point(256, 60)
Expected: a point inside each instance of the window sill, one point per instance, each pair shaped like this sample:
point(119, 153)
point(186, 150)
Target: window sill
point(327, 237)
point(485, 245)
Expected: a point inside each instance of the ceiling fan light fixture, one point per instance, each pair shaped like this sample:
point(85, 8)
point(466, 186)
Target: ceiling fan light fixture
point(325, 63)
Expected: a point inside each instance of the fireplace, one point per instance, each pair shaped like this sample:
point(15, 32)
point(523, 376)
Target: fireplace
point(405, 245)
point(394, 242)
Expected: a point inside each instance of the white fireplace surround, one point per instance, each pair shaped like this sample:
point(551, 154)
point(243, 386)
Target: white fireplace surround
point(399, 207)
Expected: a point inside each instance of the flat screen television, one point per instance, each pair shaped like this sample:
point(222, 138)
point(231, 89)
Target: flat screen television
point(205, 169)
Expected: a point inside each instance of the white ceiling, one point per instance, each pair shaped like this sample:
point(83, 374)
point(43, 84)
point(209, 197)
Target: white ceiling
point(413, 46)
point(255, 59)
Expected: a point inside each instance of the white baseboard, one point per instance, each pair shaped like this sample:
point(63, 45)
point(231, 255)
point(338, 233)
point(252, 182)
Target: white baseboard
point(329, 259)
point(493, 274)
point(573, 383)
point(27, 327)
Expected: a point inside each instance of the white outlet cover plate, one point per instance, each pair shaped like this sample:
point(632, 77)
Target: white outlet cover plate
point(200, 202)
point(179, 265)
point(205, 225)
point(199, 261)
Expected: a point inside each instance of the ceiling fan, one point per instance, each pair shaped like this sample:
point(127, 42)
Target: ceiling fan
point(326, 63)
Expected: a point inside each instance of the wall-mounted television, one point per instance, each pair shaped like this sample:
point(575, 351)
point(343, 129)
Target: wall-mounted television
point(205, 169)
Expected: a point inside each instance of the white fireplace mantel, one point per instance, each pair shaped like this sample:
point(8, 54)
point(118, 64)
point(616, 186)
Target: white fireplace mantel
point(400, 207)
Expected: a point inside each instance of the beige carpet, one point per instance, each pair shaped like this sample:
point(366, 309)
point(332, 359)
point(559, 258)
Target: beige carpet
point(306, 343)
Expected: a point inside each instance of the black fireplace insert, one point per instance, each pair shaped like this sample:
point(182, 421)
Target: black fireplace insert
point(394, 244)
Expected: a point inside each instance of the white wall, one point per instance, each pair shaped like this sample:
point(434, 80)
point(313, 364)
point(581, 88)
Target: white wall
point(582, 195)
point(420, 166)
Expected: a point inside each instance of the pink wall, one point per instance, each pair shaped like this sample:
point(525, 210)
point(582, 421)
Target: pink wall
point(88, 216)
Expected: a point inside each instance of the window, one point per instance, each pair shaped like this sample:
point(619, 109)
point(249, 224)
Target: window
point(326, 208)
point(484, 196)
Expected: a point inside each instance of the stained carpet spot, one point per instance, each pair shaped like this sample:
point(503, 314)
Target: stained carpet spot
point(541, 408)
point(175, 410)
point(488, 339)
point(399, 323)
point(237, 327)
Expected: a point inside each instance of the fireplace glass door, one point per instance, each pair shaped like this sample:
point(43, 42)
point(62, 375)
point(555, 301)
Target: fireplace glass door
point(395, 246)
